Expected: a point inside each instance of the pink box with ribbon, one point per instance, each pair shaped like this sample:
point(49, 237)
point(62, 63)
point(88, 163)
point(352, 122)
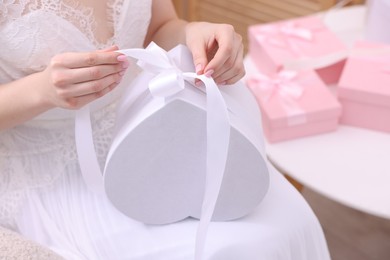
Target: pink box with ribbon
point(294, 104)
point(364, 88)
point(273, 45)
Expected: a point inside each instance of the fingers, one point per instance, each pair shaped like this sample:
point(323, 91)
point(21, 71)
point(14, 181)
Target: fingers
point(80, 101)
point(199, 55)
point(90, 87)
point(93, 73)
point(90, 80)
point(232, 70)
point(79, 78)
point(111, 48)
point(88, 59)
point(217, 51)
point(228, 60)
point(227, 49)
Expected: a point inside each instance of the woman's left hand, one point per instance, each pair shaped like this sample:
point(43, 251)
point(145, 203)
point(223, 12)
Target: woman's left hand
point(217, 51)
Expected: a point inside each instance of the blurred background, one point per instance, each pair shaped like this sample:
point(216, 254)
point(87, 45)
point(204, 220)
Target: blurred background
point(351, 234)
point(242, 13)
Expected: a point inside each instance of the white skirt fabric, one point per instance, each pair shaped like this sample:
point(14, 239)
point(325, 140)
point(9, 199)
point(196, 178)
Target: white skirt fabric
point(78, 224)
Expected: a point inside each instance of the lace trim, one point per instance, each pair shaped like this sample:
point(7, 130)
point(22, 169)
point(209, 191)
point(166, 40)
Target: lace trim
point(11, 9)
point(115, 13)
point(82, 17)
point(15, 246)
point(38, 154)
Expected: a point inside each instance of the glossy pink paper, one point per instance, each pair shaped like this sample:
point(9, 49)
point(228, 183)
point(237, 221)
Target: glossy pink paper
point(273, 44)
point(321, 110)
point(364, 88)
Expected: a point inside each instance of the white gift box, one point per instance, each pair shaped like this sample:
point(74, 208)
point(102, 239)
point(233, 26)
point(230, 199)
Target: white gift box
point(156, 168)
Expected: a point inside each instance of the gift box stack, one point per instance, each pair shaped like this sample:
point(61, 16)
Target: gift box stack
point(297, 60)
point(294, 103)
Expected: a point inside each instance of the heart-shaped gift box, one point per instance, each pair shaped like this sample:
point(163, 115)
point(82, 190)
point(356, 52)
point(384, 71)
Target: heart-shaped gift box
point(155, 171)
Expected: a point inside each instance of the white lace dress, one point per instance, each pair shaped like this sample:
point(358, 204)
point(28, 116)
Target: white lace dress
point(42, 194)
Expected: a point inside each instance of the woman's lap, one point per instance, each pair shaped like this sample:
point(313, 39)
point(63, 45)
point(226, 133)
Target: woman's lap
point(79, 225)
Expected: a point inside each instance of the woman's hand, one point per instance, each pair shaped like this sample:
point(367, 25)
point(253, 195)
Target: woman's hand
point(70, 81)
point(216, 48)
point(75, 79)
point(217, 51)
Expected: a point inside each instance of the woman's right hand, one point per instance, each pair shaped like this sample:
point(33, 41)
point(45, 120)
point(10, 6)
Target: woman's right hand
point(70, 81)
point(76, 79)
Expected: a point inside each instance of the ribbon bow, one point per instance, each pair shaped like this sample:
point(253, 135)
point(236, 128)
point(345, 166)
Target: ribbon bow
point(168, 80)
point(271, 33)
point(292, 29)
point(284, 86)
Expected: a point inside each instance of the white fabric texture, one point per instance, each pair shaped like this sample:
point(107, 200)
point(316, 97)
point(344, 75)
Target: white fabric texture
point(42, 194)
point(32, 31)
point(79, 225)
point(14, 246)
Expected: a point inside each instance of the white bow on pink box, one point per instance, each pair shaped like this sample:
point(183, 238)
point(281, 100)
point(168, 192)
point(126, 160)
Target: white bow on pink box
point(284, 87)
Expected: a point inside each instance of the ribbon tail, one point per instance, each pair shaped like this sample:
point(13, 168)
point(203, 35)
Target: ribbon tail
point(150, 58)
point(218, 137)
point(295, 114)
point(89, 164)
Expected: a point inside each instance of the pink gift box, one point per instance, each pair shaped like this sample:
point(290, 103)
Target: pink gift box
point(274, 44)
point(294, 104)
point(364, 87)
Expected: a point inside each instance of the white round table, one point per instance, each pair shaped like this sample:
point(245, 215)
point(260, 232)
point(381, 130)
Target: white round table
point(350, 165)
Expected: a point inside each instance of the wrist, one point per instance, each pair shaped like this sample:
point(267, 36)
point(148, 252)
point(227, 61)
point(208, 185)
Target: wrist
point(41, 99)
point(21, 100)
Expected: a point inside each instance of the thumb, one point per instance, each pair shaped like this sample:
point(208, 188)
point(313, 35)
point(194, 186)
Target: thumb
point(199, 56)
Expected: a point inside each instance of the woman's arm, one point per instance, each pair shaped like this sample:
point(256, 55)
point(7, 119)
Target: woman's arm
point(165, 28)
point(20, 101)
point(70, 81)
point(216, 48)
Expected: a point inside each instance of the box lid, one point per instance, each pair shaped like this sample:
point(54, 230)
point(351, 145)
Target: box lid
point(305, 37)
point(314, 103)
point(366, 75)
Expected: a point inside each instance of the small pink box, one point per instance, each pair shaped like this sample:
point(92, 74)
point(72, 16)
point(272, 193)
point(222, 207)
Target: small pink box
point(364, 87)
point(294, 104)
point(274, 44)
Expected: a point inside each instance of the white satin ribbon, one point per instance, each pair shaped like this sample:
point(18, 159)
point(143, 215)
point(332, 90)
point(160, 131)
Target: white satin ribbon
point(168, 81)
point(89, 164)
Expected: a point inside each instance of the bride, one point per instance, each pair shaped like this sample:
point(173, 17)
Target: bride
point(59, 55)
